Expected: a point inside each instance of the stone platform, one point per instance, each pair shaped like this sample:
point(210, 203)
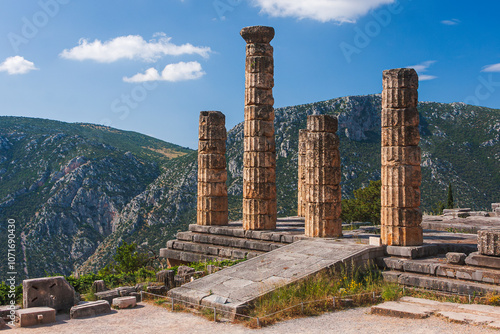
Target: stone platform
point(470, 224)
point(418, 308)
point(205, 243)
point(234, 289)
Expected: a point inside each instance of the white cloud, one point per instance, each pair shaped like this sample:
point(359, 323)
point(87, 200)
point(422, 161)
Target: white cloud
point(17, 65)
point(173, 72)
point(422, 68)
point(320, 10)
point(491, 68)
point(451, 22)
point(131, 47)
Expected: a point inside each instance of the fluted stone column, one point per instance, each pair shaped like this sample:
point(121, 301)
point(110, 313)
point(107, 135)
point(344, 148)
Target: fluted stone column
point(259, 157)
point(301, 187)
point(401, 217)
point(212, 174)
point(323, 206)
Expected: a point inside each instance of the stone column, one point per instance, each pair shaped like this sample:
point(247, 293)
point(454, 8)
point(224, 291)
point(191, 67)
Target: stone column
point(322, 178)
point(259, 157)
point(212, 174)
point(401, 217)
point(301, 187)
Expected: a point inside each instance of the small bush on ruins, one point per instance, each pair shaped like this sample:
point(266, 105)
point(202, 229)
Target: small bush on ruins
point(365, 206)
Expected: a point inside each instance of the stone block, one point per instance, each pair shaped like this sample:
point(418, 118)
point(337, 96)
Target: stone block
point(323, 210)
point(258, 128)
point(327, 157)
point(3, 325)
point(124, 291)
point(125, 302)
point(319, 227)
point(212, 147)
point(259, 64)
point(322, 123)
point(399, 155)
point(215, 161)
point(322, 175)
point(399, 98)
point(399, 117)
point(212, 217)
point(401, 236)
point(259, 96)
point(7, 312)
point(263, 113)
point(259, 49)
point(212, 132)
point(400, 197)
point(259, 144)
point(374, 241)
point(259, 206)
point(455, 258)
point(402, 217)
point(259, 160)
point(303, 141)
point(89, 309)
point(184, 271)
point(320, 141)
point(257, 34)
point(400, 136)
point(209, 203)
point(405, 175)
point(212, 189)
point(212, 118)
point(53, 292)
point(488, 242)
point(253, 190)
point(323, 193)
point(108, 295)
point(166, 277)
point(32, 316)
point(99, 286)
point(259, 222)
point(259, 80)
point(400, 78)
point(260, 175)
point(212, 175)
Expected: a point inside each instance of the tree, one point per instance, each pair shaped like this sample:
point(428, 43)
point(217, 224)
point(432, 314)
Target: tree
point(127, 260)
point(365, 206)
point(450, 204)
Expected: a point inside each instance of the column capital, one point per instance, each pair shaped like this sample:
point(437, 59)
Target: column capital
point(257, 34)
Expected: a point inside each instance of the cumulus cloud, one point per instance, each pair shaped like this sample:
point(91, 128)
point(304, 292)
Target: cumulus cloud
point(131, 47)
point(17, 65)
point(320, 10)
point(491, 68)
point(173, 72)
point(422, 68)
point(452, 22)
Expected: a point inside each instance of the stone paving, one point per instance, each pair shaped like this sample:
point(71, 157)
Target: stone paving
point(232, 290)
point(418, 308)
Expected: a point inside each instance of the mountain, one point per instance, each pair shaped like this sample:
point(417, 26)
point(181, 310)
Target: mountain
point(120, 188)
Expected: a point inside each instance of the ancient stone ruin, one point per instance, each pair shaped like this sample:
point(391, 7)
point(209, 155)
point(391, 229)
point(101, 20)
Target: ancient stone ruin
point(212, 174)
point(322, 178)
point(259, 157)
point(401, 175)
point(488, 242)
point(301, 188)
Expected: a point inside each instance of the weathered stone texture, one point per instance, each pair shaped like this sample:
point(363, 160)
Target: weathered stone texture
point(259, 157)
point(53, 292)
point(212, 174)
point(301, 204)
point(488, 242)
point(322, 178)
point(90, 309)
point(401, 173)
point(32, 316)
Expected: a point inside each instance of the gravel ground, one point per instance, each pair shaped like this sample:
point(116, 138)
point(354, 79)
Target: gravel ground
point(147, 318)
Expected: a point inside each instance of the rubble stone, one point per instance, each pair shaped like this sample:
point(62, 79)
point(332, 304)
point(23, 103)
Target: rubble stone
point(125, 302)
point(89, 309)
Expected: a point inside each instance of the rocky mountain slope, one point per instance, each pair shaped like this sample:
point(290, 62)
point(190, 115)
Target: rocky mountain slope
point(460, 145)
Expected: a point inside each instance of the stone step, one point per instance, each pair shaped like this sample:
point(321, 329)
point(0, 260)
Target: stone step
point(403, 310)
point(450, 285)
point(436, 267)
point(226, 241)
point(213, 250)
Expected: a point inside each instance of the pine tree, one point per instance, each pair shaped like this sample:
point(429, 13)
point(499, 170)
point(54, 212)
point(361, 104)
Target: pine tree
point(451, 203)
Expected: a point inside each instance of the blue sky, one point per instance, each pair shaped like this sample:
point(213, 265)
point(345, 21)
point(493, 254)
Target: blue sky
point(152, 65)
